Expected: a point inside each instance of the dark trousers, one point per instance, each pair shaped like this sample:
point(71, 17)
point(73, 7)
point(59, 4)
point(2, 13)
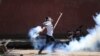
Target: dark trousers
point(49, 40)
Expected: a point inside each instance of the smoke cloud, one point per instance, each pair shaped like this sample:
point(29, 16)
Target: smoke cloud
point(90, 42)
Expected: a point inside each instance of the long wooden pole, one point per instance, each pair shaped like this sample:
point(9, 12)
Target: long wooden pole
point(58, 20)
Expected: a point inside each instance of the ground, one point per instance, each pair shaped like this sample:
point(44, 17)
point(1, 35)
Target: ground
point(28, 52)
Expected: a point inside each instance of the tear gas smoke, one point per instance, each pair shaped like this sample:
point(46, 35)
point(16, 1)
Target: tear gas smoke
point(34, 34)
point(90, 42)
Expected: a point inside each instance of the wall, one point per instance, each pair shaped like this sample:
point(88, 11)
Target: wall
point(18, 16)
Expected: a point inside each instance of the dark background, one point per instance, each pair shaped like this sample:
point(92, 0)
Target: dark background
point(18, 16)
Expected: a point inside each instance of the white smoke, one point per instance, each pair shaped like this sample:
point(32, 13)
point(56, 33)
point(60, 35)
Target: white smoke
point(91, 41)
point(33, 34)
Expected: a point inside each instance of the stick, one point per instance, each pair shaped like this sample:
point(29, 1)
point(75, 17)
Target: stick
point(58, 20)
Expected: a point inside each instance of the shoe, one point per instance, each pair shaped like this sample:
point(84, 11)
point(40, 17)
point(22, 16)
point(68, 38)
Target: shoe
point(39, 52)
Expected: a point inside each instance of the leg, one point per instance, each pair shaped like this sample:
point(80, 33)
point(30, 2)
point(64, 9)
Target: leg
point(43, 47)
point(49, 39)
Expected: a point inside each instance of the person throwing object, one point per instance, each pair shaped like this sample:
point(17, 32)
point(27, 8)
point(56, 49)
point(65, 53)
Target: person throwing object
point(49, 26)
point(49, 35)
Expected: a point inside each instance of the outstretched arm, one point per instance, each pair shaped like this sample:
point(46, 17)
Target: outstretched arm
point(42, 29)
